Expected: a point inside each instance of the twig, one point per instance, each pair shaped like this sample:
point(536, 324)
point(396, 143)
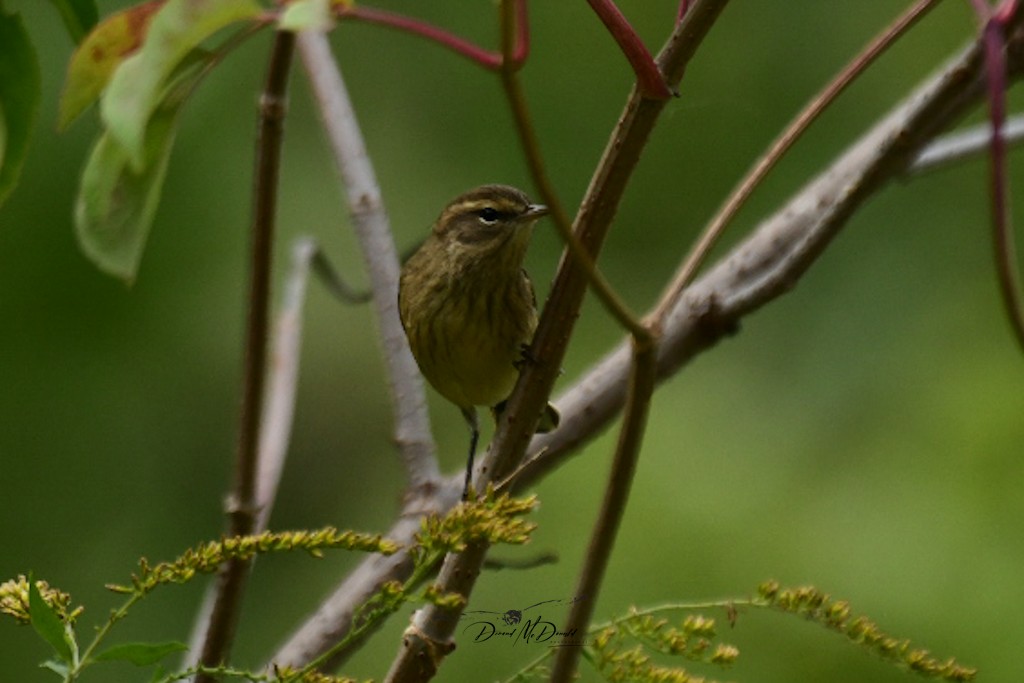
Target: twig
point(592, 223)
point(642, 380)
point(242, 508)
point(370, 224)
point(782, 144)
point(649, 79)
point(955, 147)
point(520, 564)
point(283, 371)
point(488, 59)
point(995, 24)
point(332, 280)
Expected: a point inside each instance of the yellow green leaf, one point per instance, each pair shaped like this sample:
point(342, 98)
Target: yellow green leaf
point(136, 88)
point(116, 203)
point(106, 46)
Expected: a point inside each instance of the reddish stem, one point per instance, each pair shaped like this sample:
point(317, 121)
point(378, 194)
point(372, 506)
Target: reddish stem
point(652, 83)
point(994, 37)
point(486, 58)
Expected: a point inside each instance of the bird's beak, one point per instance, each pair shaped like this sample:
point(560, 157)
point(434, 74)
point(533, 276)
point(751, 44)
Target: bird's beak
point(535, 211)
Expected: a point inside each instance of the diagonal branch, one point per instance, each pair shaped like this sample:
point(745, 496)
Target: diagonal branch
point(370, 223)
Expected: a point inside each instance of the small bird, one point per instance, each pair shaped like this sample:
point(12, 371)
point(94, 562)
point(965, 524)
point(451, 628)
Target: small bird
point(467, 305)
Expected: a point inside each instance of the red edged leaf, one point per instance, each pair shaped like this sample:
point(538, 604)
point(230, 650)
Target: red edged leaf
point(92, 64)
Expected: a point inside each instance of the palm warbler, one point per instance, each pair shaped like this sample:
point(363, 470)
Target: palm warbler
point(467, 305)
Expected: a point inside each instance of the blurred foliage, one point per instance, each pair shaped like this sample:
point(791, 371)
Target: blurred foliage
point(863, 434)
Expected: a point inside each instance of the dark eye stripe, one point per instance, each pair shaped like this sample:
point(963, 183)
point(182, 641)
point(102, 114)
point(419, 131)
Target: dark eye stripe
point(489, 214)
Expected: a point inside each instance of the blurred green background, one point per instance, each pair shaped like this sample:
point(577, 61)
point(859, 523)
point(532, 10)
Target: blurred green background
point(863, 434)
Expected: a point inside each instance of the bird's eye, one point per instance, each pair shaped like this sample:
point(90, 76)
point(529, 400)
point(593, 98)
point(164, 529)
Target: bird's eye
point(488, 215)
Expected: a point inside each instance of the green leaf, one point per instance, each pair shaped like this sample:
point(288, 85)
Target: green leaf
point(141, 654)
point(47, 624)
point(138, 84)
point(19, 98)
point(307, 15)
point(93, 63)
point(116, 203)
point(79, 16)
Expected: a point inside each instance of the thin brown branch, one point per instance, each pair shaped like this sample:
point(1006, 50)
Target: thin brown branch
point(488, 59)
point(649, 78)
point(278, 408)
point(242, 507)
point(642, 379)
point(782, 144)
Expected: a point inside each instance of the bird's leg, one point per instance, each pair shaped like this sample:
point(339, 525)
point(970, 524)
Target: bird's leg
point(525, 357)
point(474, 435)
